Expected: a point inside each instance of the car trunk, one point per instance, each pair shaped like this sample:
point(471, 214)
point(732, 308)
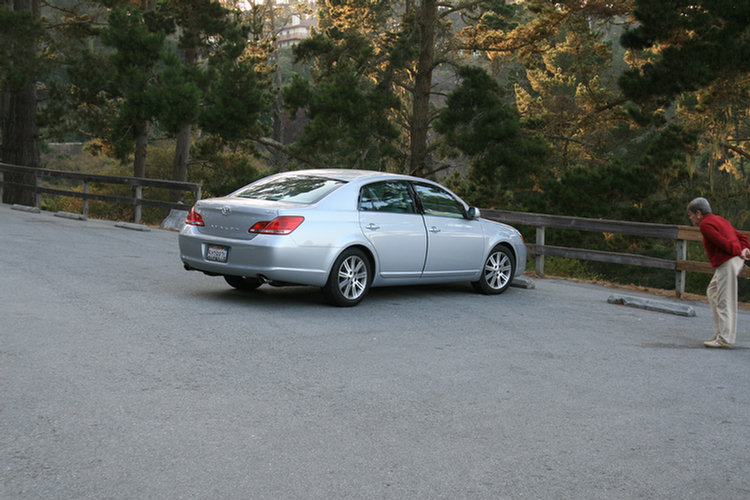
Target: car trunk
point(231, 217)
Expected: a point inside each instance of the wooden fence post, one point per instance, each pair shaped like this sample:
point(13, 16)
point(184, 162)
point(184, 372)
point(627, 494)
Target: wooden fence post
point(539, 256)
point(138, 208)
point(37, 192)
point(86, 200)
point(680, 276)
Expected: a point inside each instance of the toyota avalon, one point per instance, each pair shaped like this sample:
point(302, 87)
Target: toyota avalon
point(346, 231)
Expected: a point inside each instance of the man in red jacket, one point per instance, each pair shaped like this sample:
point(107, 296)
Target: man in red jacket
point(725, 248)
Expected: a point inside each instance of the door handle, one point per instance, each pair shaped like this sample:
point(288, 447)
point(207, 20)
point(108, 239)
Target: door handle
point(372, 226)
point(434, 229)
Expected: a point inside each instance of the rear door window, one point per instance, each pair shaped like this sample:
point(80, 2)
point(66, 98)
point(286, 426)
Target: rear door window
point(389, 196)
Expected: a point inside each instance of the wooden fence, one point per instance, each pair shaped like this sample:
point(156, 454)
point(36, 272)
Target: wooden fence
point(138, 183)
point(680, 234)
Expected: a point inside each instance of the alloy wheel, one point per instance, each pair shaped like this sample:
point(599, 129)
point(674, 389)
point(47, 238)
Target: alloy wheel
point(498, 270)
point(352, 277)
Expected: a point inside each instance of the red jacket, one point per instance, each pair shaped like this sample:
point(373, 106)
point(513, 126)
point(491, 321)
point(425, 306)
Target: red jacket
point(721, 240)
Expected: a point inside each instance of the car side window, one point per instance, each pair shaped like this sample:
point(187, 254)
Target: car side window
point(388, 196)
point(436, 201)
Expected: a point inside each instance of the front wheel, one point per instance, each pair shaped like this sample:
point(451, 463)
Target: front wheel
point(350, 279)
point(497, 272)
point(243, 282)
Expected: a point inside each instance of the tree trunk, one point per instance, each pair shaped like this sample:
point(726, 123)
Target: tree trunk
point(141, 146)
point(182, 146)
point(181, 160)
point(20, 135)
point(20, 142)
point(422, 87)
point(277, 112)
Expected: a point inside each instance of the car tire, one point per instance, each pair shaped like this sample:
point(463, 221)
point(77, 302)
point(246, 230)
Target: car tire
point(243, 282)
point(350, 278)
point(497, 272)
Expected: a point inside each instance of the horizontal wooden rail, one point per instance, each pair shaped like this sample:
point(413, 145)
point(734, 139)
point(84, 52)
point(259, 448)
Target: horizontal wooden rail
point(138, 183)
point(679, 234)
point(601, 256)
point(583, 224)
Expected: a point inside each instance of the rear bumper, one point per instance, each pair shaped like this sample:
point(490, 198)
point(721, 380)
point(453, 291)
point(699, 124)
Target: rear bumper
point(270, 257)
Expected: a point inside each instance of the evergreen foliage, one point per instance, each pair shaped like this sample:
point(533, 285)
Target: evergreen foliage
point(479, 124)
point(116, 91)
point(177, 94)
point(20, 34)
point(693, 60)
point(235, 99)
point(698, 43)
point(348, 112)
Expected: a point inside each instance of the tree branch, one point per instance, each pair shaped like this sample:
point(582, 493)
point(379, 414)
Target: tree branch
point(267, 141)
point(737, 150)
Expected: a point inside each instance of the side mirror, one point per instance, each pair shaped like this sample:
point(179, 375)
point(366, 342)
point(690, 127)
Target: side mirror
point(474, 213)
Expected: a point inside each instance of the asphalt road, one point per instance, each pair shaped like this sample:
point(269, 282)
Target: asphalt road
point(122, 376)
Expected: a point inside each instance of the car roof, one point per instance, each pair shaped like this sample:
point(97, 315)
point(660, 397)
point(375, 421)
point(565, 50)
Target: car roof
point(348, 175)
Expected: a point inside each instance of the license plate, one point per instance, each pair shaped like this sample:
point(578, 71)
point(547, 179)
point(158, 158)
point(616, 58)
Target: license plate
point(217, 253)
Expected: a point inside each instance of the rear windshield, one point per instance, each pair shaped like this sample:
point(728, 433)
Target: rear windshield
point(294, 189)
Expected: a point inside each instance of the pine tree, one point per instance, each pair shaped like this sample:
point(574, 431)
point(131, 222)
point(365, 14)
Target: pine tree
point(565, 85)
point(693, 44)
point(479, 124)
point(200, 23)
point(695, 57)
point(20, 65)
point(128, 86)
point(397, 52)
point(348, 103)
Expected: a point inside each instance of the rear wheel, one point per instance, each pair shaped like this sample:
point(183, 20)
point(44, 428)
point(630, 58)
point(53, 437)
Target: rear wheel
point(497, 272)
point(350, 279)
point(243, 282)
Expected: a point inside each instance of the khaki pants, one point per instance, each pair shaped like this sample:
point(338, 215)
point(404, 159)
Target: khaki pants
point(722, 295)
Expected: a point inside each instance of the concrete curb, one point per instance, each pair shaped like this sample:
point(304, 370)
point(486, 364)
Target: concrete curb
point(69, 215)
point(132, 227)
point(24, 208)
point(523, 282)
point(652, 305)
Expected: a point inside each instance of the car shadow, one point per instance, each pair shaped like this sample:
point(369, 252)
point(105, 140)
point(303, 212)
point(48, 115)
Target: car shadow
point(313, 296)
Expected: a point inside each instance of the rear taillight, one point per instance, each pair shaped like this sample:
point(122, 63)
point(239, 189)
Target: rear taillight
point(280, 225)
point(194, 218)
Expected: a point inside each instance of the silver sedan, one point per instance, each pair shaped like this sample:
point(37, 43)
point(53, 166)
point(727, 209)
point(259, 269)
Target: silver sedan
point(346, 231)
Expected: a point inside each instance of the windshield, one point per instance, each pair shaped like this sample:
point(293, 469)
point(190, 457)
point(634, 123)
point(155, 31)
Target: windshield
point(294, 189)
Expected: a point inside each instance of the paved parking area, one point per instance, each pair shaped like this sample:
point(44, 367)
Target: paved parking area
point(123, 376)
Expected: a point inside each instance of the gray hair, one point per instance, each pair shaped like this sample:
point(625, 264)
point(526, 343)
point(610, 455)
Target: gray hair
point(699, 204)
